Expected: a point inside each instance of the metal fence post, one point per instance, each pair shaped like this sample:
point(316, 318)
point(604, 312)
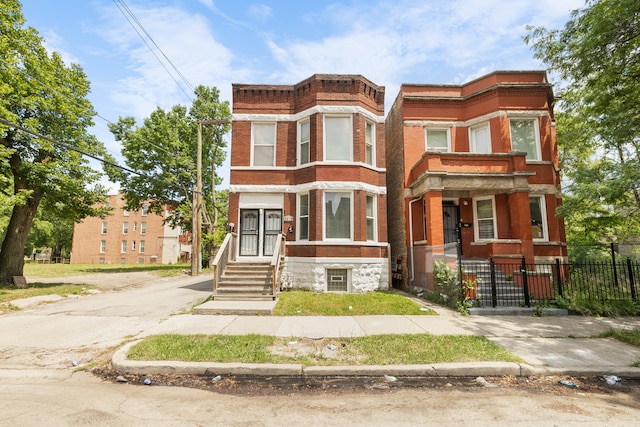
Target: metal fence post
point(494, 290)
point(558, 277)
point(632, 284)
point(613, 259)
point(525, 282)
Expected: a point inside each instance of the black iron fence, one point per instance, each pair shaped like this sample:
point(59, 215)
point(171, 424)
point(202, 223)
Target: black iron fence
point(509, 281)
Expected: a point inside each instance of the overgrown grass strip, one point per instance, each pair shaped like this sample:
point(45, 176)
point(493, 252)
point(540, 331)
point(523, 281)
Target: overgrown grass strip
point(370, 350)
point(305, 303)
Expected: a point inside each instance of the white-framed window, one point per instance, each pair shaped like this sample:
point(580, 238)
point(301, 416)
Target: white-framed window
point(141, 246)
point(304, 141)
point(103, 246)
point(525, 136)
point(338, 138)
point(303, 217)
point(145, 209)
point(143, 227)
point(123, 247)
point(125, 212)
point(437, 139)
point(371, 218)
point(480, 138)
point(105, 225)
point(538, 218)
point(133, 245)
point(263, 144)
point(485, 217)
point(337, 215)
point(125, 227)
point(370, 143)
point(135, 225)
point(337, 279)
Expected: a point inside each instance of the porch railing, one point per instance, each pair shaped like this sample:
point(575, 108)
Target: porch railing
point(276, 262)
point(225, 254)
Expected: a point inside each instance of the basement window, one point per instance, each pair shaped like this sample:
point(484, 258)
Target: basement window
point(337, 280)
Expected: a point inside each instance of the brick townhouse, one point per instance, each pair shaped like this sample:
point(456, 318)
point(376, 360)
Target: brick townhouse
point(127, 237)
point(308, 160)
point(477, 162)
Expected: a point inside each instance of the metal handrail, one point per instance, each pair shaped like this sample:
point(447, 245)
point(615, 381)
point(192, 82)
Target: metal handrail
point(226, 253)
point(276, 261)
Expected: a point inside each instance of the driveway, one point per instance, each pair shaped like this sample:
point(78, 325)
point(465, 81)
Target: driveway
point(80, 329)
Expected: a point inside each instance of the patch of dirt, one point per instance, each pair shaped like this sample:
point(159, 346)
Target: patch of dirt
point(282, 385)
point(105, 281)
point(314, 349)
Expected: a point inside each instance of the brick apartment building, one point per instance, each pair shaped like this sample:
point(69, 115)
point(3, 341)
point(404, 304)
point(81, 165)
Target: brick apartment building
point(478, 162)
point(127, 237)
point(308, 160)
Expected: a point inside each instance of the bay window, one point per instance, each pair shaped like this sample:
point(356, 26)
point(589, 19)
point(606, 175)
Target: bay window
point(337, 215)
point(338, 138)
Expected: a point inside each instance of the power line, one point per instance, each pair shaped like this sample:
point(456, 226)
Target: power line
point(77, 150)
point(129, 16)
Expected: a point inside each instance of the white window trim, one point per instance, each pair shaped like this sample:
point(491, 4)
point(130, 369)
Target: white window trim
point(299, 152)
point(141, 246)
point(123, 246)
point(125, 227)
point(324, 218)
point(298, 227)
point(105, 227)
point(373, 143)
point(476, 226)
point(103, 247)
point(447, 129)
point(543, 210)
point(375, 217)
point(536, 132)
point(143, 227)
point(472, 139)
point(324, 137)
point(275, 134)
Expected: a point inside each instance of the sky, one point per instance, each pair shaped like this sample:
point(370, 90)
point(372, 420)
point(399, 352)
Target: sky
point(217, 43)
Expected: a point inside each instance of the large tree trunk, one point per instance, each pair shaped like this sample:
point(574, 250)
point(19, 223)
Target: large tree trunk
point(12, 251)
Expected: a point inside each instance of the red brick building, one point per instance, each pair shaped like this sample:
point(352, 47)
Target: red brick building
point(309, 160)
point(478, 159)
point(127, 237)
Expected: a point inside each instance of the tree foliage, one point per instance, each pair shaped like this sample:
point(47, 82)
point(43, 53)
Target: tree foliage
point(41, 93)
point(164, 149)
point(597, 58)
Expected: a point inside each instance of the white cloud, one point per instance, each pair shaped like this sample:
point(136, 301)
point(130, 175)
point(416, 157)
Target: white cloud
point(453, 41)
point(260, 12)
point(187, 41)
point(54, 43)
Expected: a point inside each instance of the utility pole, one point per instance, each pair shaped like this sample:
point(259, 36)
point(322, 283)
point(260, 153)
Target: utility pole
point(196, 232)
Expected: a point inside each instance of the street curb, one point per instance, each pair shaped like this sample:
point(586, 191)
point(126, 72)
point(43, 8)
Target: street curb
point(121, 364)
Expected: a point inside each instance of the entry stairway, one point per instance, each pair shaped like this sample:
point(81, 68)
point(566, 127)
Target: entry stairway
point(508, 293)
point(244, 281)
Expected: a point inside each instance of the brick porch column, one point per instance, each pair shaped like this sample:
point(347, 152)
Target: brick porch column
point(520, 212)
point(435, 226)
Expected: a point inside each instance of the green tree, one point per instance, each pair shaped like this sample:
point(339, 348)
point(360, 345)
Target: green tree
point(597, 58)
point(39, 92)
point(164, 150)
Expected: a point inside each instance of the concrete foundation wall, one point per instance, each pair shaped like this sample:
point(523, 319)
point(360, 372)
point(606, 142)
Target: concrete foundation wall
point(366, 274)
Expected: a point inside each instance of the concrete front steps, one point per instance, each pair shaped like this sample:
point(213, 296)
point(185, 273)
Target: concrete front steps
point(243, 281)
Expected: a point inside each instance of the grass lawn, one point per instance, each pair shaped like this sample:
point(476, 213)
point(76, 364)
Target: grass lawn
point(304, 303)
point(629, 336)
point(370, 350)
point(8, 294)
point(32, 269)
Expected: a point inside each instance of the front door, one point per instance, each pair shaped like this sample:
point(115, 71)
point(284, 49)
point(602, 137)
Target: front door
point(249, 232)
point(450, 222)
point(259, 229)
point(272, 227)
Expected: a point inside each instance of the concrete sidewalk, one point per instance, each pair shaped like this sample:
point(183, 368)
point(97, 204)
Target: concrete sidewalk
point(548, 345)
